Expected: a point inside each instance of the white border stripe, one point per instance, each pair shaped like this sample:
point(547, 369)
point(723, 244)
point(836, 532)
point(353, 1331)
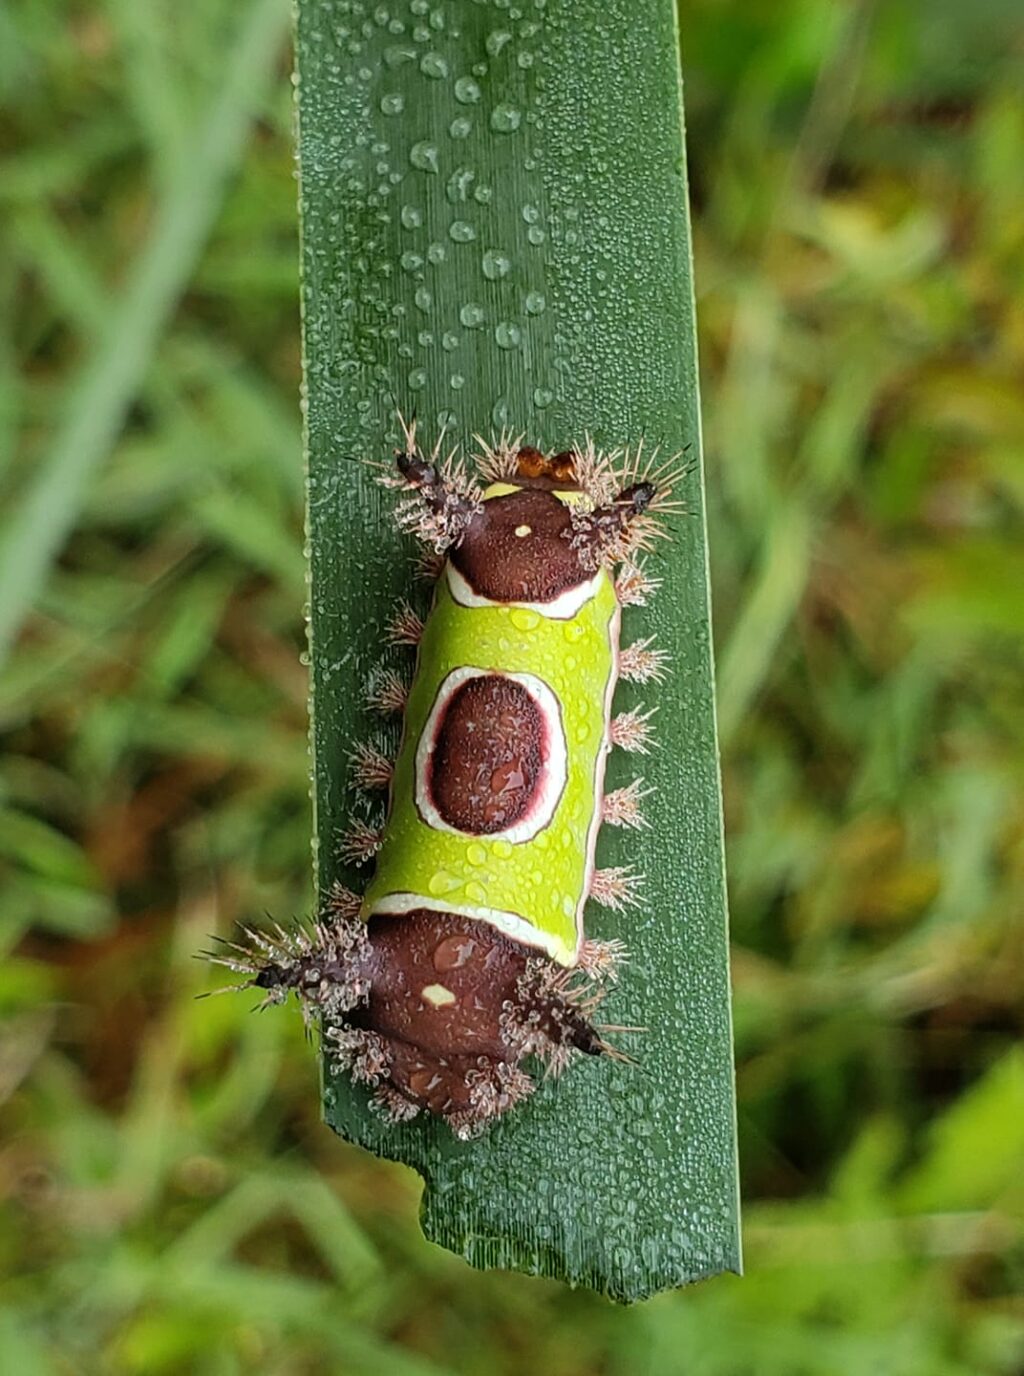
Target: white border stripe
point(599, 769)
point(398, 904)
point(561, 608)
point(550, 782)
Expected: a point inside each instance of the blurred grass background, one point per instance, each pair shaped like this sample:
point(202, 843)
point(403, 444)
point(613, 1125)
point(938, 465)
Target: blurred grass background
point(171, 1202)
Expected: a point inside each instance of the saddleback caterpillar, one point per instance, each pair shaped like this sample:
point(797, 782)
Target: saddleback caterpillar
point(465, 956)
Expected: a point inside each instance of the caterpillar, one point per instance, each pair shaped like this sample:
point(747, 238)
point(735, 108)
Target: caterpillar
point(465, 956)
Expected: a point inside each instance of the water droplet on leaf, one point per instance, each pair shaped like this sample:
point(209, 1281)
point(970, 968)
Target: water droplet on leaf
point(467, 92)
point(507, 335)
point(434, 66)
point(496, 264)
point(424, 156)
point(505, 119)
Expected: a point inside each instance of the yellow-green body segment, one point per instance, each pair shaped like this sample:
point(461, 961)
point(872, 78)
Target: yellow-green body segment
point(534, 889)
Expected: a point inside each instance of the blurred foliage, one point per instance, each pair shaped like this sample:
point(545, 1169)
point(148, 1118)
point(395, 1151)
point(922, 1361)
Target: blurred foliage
point(170, 1201)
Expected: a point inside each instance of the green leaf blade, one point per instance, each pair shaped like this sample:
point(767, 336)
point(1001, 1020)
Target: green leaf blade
point(495, 233)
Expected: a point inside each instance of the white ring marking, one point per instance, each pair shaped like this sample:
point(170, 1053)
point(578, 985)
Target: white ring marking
point(550, 781)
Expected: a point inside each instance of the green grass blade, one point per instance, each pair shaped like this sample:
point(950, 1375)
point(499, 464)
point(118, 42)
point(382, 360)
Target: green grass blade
point(115, 370)
point(495, 232)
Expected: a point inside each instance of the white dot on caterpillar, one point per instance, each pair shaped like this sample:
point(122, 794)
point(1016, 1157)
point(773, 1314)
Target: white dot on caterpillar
point(523, 531)
point(437, 995)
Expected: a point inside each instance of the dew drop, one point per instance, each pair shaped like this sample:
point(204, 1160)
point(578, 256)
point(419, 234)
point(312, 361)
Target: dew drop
point(497, 40)
point(505, 119)
point(411, 262)
point(449, 341)
point(523, 619)
point(417, 379)
point(441, 882)
point(507, 335)
point(530, 214)
point(460, 127)
point(535, 303)
point(502, 849)
point(458, 185)
point(412, 217)
point(453, 952)
point(476, 854)
point(476, 891)
point(472, 315)
point(434, 66)
point(461, 231)
point(435, 253)
point(542, 396)
point(423, 299)
point(392, 104)
point(399, 54)
point(424, 156)
point(457, 381)
point(496, 265)
point(467, 92)
point(535, 235)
